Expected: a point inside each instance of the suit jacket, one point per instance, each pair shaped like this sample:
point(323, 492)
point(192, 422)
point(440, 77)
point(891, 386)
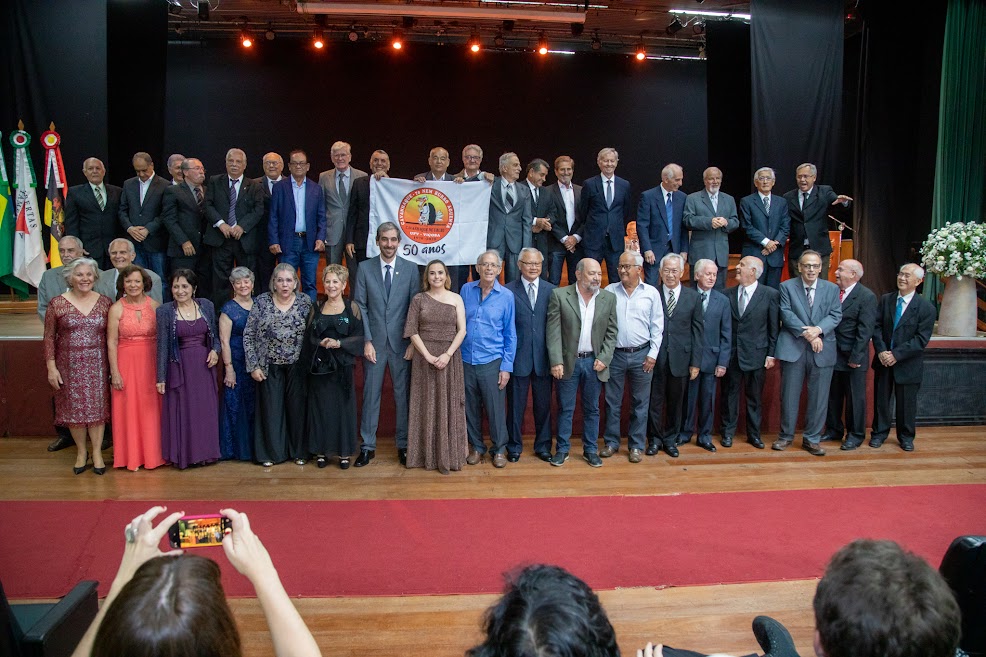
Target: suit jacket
point(706, 241)
point(52, 284)
point(755, 333)
point(545, 206)
point(358, 216)
point(384, 317)
point(598, 221)
point(83, 218)
point(146, 214)
point(652, 223)
point(565, 326)
point(718, 333)
point(825, 313)
point(263, 235)
point(684, 331)
point(531, 356)
point(908, 340)
point(336, 212)
point(249, 210)
point(559, 229)
point(811, 222)
point(106, 285)
point(757, 226)
point(852, 335)
point(281, 229)
point(182, 217)
point(510, 230)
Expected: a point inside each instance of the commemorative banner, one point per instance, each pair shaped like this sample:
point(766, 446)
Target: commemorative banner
point(438, 220)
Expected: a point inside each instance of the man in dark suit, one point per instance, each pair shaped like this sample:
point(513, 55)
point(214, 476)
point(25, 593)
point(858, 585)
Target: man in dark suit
point(92, 212)
point(809, 206)
point(755, 322)
point(806, 347)
point(337, 184)
point(903, 328)
point(580, 359)
point(174, 167)
point(562, 242)
point(264, 260)
point(297, 235)
point(234, 206)
point(358, 219)
point(605, 210)
point(716, 345)
point(531, 294)
point(766, 224)
point(711, 215)
point(546, 212)
point(140, 215)
point(679, 359)
point(659, 216)
point(183, 214)
point(385, 347)
point(852, 337)
point(511, 215)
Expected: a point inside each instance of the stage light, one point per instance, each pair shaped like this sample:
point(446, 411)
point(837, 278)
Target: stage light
point(596, 44)
point(542, 45)
point(475, 44)
point(641, 52)
point(397, 40)
point(317, 39)
point(270, 35)
point(674, 27)
point(246, 40)
point(353, 35)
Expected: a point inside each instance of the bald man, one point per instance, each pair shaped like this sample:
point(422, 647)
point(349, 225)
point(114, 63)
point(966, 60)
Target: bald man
point(92, 212)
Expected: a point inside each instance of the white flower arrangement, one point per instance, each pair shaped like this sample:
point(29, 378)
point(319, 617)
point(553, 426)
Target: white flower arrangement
point(957, 249)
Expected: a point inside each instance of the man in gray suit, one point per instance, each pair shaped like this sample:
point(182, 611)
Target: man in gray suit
point(385, 286)
point(511, 215)
point(810, 311)
point(337, 184)
point(711, 215)
point(122, 253)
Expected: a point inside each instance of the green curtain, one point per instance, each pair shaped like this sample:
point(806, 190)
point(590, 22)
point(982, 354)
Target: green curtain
point(960, 167)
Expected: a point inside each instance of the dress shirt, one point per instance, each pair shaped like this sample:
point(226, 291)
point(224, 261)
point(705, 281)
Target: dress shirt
point(762, 196)
point(535, 195)
point(568, 198)
point(677, 293)
point(814, 290)
point(144, 186)
point(714, 200)
point(907, 302)
point(588, 313)
point(639, 317)
point(508, 188)
point(270, 183)
point(845, 293)
point(704, 296)
point(383, 268)
point(346, 176)
point(490, 331)
point(102, 190)
point(231, 183)
point(299, 205)
point(527, 286)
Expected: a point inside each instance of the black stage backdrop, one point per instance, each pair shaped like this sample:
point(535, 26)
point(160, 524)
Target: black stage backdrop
point(283, 95)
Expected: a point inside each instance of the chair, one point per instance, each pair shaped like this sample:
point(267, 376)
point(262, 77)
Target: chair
point(47, 630)
point(964, 568)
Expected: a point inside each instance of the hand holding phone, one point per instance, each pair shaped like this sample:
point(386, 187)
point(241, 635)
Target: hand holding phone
point(199, 531)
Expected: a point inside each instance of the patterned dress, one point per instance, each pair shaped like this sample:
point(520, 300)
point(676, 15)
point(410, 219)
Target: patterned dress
point(239, 403)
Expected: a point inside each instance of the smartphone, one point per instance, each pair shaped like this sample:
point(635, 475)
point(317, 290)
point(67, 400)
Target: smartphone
point(199, 531)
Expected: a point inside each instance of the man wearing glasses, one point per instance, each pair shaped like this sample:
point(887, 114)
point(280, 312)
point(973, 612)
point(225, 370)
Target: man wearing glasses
point(766, 223)
point(297, 221)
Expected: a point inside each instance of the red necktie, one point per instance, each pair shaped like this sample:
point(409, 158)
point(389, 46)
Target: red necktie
point(842, 295)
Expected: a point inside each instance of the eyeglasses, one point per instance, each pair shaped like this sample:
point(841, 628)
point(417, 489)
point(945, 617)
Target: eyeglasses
point(488, 265)
point(764, 179)
point(811, 265)
point(472, 157)
point(297, 164)
point(622, 267)
point(530, 263)
point(670, 271)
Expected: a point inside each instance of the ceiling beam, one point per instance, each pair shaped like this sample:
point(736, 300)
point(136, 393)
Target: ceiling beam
point(440, 11)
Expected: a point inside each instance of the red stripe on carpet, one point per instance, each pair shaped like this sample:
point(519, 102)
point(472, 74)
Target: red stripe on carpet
point(413, 547)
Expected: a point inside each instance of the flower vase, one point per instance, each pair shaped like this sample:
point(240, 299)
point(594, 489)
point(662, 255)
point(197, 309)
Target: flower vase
point(957, 317)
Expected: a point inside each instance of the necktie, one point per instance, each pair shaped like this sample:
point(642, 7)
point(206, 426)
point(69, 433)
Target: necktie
point(388, 281)
point(715, 202)
point(899, 311)
point(343, 192)
point(842, 295)
point(99, 198)
point(609, 193)
point(509, 200)
point(537, 195)
point(742, 301)
point(231, 215)
point(705, 301)
point(811, 297)
point(804, 199)
point(530, 294)
point(667, 213)
point(766, 204)
point(198, 196)
point(671, 303)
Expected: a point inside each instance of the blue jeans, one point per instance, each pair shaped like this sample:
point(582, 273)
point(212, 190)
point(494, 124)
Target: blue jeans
point(585, 377)
point(305, 260)
point(157, 263)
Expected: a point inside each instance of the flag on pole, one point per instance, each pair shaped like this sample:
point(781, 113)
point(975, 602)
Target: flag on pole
point(29, 253)
point(55, 189)
point(7, 233)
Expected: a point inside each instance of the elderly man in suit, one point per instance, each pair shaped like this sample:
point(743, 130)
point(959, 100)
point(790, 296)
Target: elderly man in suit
point(438, 164)
point(852, 337)
point(385, 286)
point(711, 215)
point(358, 219)
point(174, 168)
point(544, 208)
point(296, 230)
point(531, 371)
point(903, 328)
point(679, 359)
point(183, 213)
point(511, 215)
point(140, 215)
point(582, 332)
point(809, 206)
point(806, 347)
point(605, 210)
point(766, 223)
point(755, 311)
point(234, 207)
point(640, 331)
point(659, 222)
point(92, 211)
point(123, 254)
point(264, 260)
point(561, 243)
point(337, 184)
point(716, 346)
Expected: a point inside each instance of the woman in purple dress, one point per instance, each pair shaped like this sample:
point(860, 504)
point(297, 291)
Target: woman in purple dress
point(187, 353)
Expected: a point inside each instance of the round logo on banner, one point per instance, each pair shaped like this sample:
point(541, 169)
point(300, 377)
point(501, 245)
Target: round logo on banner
point(426, 215)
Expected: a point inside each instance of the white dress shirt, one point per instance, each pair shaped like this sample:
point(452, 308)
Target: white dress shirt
point(639, 317)
point(588, 312)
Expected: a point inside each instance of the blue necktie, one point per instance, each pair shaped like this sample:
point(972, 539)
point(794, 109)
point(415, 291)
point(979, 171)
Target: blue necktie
point(899, 311)
point(667, 212)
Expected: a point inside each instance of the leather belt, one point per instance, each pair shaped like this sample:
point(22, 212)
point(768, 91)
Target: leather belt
point(586, 354)
point(633, 350)
point(300, 234)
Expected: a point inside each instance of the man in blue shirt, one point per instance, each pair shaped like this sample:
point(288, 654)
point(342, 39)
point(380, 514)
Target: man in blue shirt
point(488, 357)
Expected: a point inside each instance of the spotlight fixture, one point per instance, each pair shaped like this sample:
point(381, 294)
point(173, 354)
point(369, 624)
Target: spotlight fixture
point(641, 51)
point(245, 39)
point(596, 44)
point(475, 44)
point(674, 27)
point(542, 45)
point(317, 39)
point(270, 35)
point(698, 27)
point(397, 40)
point(353, 35)
point(498, 40)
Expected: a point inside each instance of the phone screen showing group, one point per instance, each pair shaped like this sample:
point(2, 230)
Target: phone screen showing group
point(199, 531)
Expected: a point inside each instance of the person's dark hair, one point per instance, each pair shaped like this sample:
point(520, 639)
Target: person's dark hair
point(876, 600)
point(425, 285)
point(547, 612)
point(187, 274)
point(174, 605)
point(126, 271)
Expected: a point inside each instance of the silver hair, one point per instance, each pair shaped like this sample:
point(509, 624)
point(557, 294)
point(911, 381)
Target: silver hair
point(606, 151)
point(638, 259)
point(757, 174)
point(236, 150)
point(856, 267)
point(75, 239)
point(757, 266)
point(704, 264)
point(493, 252)
point(675, 256)
point(530, 250)
point(341, 146)
point(175, 157)
point(811, 167)
point(69, 269)
point(240, 273)
point(506, 158)
point(669, 171)
point(473, 147)
point(918, 270)
point(130, 245)
point(283, 266)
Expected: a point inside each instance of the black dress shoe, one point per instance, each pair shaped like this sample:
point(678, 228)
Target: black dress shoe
point(671, 449)
point(59, 443)
point(773, 638)
point(756, 442)
point(849, 445)
point(402, 455)
point(364, 458)
point(544, 456)
point(707, 446)
point(684, 441)
point(727, 441)
point(513, 458)
point(830, 437)
point(876, 443)
point(907, 445)
point(652, 449)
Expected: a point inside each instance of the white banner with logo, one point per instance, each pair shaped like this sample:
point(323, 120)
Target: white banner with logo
point(438, 220)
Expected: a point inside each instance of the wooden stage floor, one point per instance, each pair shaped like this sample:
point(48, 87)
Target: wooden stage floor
point(704, 618)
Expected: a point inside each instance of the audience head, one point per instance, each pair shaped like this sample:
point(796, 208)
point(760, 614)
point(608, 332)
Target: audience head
point(74, 271)
point(342, 154)
point(810, 266)
point(588, 275)
point(183, 283)
point(69, 248)
point(607, 159)
point(564, 169)
point(672, 268)
point(510, 167)
point(630, 266)
point(705, 273)
point(876, 600)
point(284, 280)
point(848, 272)
point(94, 170)
point(174, 605)
point(121, 280)
point(174, 166)
point(672, 176)
point(379, 161)
point(438, 161)
point(712, 178)
point(748, 270)
point(143, 166)
point(121, 252)
point(547, 612)
point(243, 280)
point(192, 171)
point(436, 275)
point(908, 278)
point(537, 171)
point(273, 165)
point(806, 174)
point(764, 179)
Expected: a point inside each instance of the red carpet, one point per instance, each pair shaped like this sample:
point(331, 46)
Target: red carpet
point(411, 547)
